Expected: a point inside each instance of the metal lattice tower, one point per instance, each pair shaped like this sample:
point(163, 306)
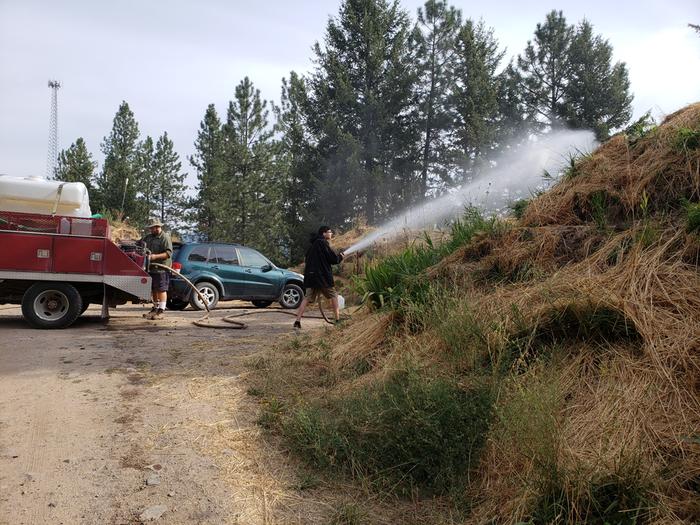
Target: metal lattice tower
point(52, 155)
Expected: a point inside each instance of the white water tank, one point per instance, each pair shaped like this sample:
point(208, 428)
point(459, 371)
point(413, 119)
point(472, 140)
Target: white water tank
point(47, 197)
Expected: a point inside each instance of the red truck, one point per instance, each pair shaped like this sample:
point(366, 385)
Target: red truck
point(56, 266)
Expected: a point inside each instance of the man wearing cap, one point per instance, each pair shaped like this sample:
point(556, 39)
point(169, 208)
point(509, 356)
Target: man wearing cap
point(161, 250)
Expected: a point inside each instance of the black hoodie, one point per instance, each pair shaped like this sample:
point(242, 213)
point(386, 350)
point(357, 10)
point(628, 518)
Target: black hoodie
point(317, 268)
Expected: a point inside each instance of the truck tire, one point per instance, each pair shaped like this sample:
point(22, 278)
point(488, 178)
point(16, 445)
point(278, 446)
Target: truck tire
point(292, 296)
point(210, 293)
point(51, 305)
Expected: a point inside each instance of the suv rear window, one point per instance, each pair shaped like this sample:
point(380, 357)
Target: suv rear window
point(224, 255)
point(199, 254)
point(252, 258)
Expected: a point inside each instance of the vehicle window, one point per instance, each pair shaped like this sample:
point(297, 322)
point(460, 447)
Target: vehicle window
point(225, 255)
point(250, 257)
point(199, 254)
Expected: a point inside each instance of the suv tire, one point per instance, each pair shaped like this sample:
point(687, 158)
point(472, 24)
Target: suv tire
point(292, 296)
point(210, 293)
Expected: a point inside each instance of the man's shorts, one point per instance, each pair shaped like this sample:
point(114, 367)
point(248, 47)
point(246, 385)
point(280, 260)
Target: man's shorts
point(160, 281)
point(313, 293)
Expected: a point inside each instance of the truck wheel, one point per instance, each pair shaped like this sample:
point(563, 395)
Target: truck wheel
point(210, 293)
point(51, 305)
point(292, 295)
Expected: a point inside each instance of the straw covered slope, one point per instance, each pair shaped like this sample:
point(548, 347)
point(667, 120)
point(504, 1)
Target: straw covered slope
point(546, 371)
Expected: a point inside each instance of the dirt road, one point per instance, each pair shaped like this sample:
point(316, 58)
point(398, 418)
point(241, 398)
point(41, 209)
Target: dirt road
point(132, 420)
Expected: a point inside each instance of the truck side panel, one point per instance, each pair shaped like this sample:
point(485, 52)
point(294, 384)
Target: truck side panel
point(78, 255)
point(19, 251)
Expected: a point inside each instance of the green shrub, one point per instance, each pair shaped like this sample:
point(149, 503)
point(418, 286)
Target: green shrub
point(412, 432)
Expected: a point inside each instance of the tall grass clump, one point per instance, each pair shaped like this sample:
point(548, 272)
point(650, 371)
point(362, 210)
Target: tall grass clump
point(397, 278)
point(412, 432)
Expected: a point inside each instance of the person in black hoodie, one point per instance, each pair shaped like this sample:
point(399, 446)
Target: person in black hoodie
point(318, 276)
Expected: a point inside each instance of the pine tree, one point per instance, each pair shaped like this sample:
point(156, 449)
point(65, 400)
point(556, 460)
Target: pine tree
point(567, 76)
point(597, 92)
point(145, 181)
point(435, 35)
point(209, 162)
point(544, 68)
point(250, 195)
point(296, 163)
point(75, 164)
point(515, 118)
point(168, 187)
point(474, 98)
point(362, 98)
point(116, 185)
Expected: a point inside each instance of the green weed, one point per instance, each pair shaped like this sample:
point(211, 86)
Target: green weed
point(411, 432)
point(574, 167)
point(349, 514)
point(640, 128)
point(687, 139)
point(398, 279)
point(519, 207)
point(599, 209)
point(692, 217)
point(271, 413)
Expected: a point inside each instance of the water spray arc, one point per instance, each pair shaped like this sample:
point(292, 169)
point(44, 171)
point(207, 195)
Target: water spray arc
point(513, 174)
point(52, 154)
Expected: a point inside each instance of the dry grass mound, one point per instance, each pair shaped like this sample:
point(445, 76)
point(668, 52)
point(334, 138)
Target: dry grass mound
point(579, 325)
point(625, 179)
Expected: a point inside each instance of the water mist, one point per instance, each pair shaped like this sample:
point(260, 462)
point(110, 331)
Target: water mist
point(511, 175)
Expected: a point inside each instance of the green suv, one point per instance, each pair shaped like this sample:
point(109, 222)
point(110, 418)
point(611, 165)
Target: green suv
point(223, 272)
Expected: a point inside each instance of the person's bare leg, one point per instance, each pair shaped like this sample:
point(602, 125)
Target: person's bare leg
point(336, 309)
point(302, 307)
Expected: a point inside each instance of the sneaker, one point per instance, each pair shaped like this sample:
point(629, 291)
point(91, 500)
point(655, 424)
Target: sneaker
point(150, 314)
point(158, 314)
point(297, 325)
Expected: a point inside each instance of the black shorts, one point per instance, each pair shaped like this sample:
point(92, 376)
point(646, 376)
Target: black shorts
point(160, 281)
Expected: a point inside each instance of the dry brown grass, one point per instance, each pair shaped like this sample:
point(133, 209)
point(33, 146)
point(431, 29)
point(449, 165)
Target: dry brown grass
point(651, 167)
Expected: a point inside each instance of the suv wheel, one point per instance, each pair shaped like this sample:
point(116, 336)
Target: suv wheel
point(292, 295)
point(210, 293)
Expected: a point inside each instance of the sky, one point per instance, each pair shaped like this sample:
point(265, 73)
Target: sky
point(169, 59)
